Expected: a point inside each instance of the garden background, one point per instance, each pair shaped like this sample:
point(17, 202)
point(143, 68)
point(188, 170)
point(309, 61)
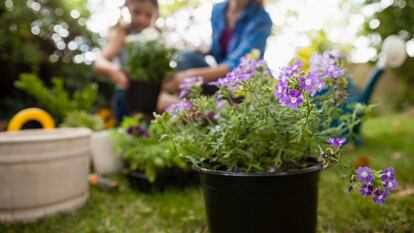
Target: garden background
point(62, 38)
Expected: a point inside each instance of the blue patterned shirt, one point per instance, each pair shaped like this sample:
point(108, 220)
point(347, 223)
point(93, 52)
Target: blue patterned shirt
point(250, 32)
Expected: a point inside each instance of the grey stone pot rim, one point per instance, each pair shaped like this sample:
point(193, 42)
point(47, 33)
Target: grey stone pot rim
point(39, 135)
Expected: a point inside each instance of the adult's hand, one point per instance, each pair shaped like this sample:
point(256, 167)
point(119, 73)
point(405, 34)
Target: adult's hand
point(172, 84)
point(120, 79)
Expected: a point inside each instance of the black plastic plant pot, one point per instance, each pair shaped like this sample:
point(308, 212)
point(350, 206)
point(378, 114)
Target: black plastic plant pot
point(143, 97)
point(169, 178)
point(261, 202)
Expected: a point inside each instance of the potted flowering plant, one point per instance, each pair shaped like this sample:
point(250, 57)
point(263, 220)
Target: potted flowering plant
point(148, 63)
point(150, 160)
point(259, 159)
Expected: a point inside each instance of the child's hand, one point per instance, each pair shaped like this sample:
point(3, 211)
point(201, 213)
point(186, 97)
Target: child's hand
point(120, 79)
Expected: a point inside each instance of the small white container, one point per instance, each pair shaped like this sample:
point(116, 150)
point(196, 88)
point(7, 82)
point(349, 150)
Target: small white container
point(105, 160)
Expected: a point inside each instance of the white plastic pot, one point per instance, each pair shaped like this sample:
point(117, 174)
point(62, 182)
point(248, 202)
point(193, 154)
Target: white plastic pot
point(105, 160)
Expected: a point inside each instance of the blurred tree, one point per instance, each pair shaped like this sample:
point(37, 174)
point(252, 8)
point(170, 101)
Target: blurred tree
point(46, 37)
point(394, 17)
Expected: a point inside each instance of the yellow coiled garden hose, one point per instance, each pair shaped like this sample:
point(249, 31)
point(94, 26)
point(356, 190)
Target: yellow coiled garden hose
point(31, 114)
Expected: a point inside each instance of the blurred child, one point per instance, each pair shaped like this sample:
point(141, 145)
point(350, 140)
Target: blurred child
point(109, 62)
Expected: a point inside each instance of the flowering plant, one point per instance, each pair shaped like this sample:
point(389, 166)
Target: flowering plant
point(292, 122)
point(148, 57)
point(142, 146)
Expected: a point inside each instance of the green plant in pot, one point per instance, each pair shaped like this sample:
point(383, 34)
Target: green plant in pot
point(148, 63)
point(150, 158)
point(259, 159)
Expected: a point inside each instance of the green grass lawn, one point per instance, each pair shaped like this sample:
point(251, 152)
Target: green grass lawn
point(388, 141)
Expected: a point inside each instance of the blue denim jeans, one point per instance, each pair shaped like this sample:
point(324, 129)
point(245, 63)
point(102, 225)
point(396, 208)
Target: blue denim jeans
point(190, 59)
point(119, 104)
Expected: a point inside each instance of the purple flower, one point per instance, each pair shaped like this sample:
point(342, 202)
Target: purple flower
point(185, 87)
point(380, 196)
point(244, 71)
point(280, 89)
point(364, 174)
point(220, 104)
point(325, 156)
point(175, 109)
point(312, 84)
point(388, 174)
point(326, 65)
point(390, 185)
point(293, 99)
point(291, 70)
point(336, 142)
point(366, 189)
point(336, 54)
point(138, 131)
point(226, 81)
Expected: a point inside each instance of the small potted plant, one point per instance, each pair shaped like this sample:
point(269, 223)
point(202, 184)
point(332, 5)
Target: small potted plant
point(259, 159)
point(148, 63)
point(150, 159)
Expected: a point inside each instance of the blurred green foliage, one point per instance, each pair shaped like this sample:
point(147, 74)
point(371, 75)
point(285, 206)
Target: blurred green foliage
point(83, 119)
point(396, 18)
point(149, 61)
point(150, 154)
point(58, 101)
point(34, 38)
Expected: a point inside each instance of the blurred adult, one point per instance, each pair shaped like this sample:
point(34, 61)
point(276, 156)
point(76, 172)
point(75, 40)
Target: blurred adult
point(238, 27)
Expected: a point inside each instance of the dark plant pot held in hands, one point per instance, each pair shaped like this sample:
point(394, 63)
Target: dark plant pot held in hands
point(143, 97)
point(148, 63)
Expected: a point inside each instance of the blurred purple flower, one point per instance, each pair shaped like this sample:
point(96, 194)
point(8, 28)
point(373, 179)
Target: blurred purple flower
point(366, 189)
point(326, 65)
point(293, 99)
point(280, 89)
point(388, 174)
point(390, 185)
point(188, 83)
point(365, 174)
point(336, 142)
point(380, 196)
point(175, 109)
point(291, 70)
point(312, 84)
point(138, 131)
point(244, 71)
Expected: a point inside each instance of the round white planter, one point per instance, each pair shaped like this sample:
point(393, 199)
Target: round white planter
point(43, 172)
point(104, 159)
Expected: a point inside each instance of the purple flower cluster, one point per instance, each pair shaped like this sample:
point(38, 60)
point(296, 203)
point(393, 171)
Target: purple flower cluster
point(336, 142)
point(292, 84)
point(188, 83)
point(138, 131)
point(326, 65)
point(244, 71)
point(376, 184)
point(175, 109)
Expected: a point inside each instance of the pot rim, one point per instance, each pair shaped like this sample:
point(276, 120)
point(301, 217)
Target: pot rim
point(42, 135)
point(314, 168)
